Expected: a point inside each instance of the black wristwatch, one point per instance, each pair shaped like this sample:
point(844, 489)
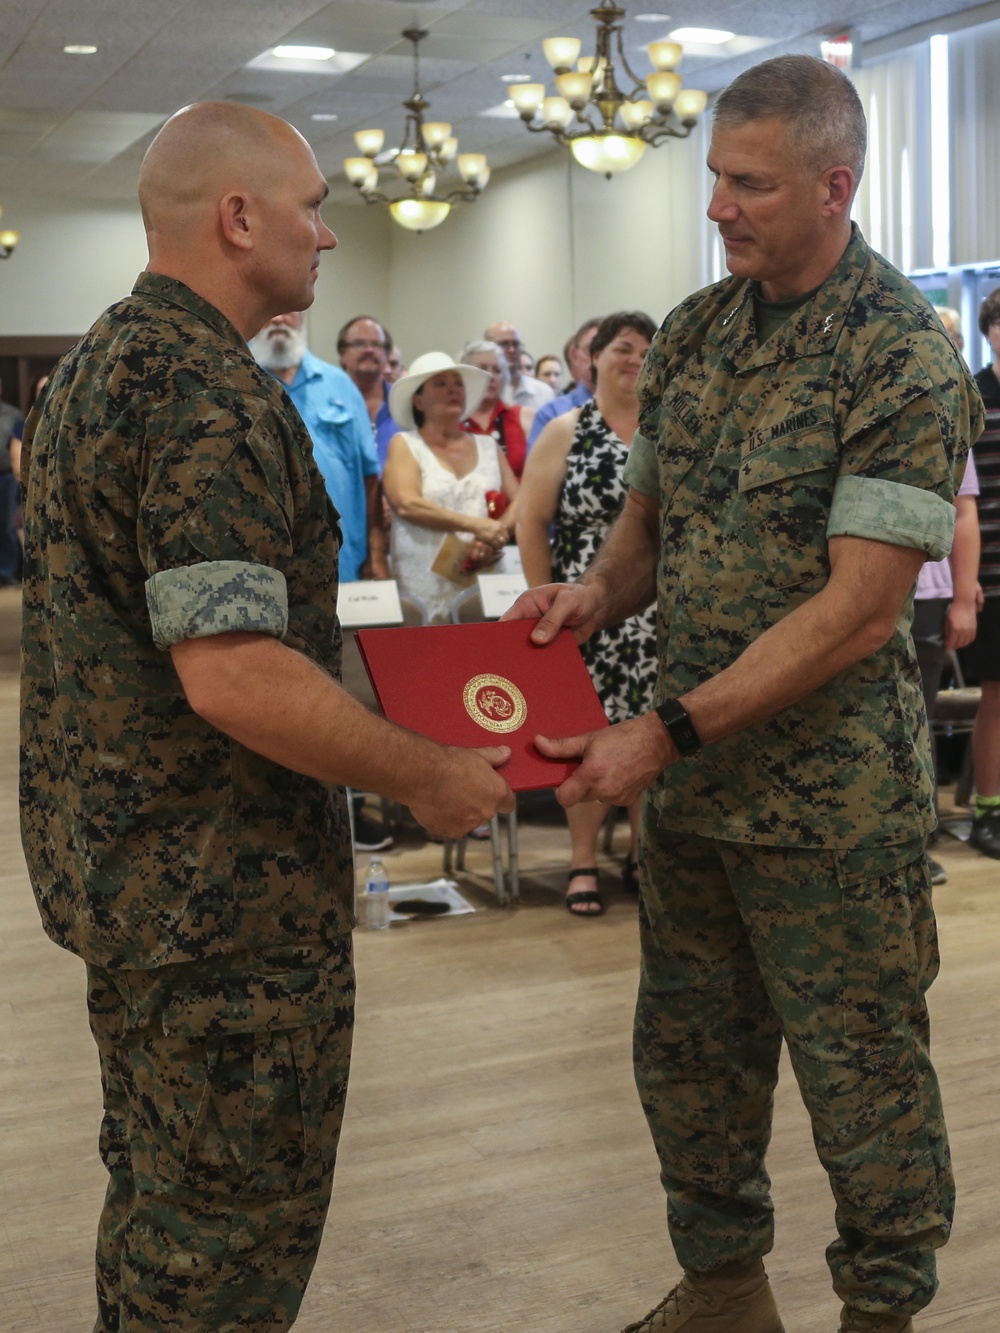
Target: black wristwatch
point(677, 721)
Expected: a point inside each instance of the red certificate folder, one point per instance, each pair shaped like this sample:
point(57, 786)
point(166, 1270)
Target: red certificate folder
point(485, 684)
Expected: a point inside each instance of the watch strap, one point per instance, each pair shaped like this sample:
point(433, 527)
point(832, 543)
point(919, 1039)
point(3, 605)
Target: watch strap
point(677, 721)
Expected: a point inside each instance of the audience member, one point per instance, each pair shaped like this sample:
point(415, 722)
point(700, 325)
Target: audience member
point(10, 547)
point(527, 363)
point(394, 367)
point(363, 345)
point(17, 435)
point(522, 390)
point(337, 420)
point(549, 369)
point(184, 741)
point(573, 488)
point(437, 478)
point(581, 391)
point(508, 425)
point(985, 652)
point(944, 610)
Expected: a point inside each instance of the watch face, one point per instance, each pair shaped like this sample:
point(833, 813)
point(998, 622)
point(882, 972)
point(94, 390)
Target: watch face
point(682, 730)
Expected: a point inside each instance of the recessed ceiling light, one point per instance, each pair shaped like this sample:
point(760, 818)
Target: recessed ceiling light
point(323, 115)
point(304, 52)
point(652, 18)
point(515, 78)
point(704, 36)
point(79, 49)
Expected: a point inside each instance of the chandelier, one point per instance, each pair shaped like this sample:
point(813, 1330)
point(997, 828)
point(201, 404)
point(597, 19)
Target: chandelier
point(8, 240)
point(428, 147)
point(605, 128)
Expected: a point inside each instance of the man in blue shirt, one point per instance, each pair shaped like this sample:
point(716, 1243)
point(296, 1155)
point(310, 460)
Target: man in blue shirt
point(337, 421)
point(582, 369)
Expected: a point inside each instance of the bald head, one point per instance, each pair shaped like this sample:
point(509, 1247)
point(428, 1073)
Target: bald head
point(206, 151)
point(231, 201)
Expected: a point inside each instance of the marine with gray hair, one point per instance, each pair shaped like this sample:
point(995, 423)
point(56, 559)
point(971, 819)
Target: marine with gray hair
point(803, 427)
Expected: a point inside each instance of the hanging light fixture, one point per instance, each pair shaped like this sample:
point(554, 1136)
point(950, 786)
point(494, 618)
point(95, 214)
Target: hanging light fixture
point(655, 108)
point(428, 147)
point(8, 240)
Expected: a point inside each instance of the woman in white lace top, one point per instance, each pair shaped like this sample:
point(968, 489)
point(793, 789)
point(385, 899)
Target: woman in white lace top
point(437, 478)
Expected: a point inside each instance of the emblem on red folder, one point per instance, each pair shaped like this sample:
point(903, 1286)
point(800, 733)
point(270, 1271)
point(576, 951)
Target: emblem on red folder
point(495, 703)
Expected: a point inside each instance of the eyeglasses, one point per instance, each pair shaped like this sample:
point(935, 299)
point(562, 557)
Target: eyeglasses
point(359, 344)
point(508, 342)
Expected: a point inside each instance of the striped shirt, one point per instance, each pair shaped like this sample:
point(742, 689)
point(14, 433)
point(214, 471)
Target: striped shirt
point(986, 452)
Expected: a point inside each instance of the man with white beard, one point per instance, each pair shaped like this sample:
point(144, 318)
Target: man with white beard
point(337, 421)
point(336, 418)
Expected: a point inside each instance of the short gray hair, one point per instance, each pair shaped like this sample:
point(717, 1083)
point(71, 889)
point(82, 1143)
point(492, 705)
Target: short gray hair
point(481, 347)
point(818, 103)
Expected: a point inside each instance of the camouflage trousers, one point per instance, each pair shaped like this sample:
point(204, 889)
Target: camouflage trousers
point(224, 1098)
point(743, 946)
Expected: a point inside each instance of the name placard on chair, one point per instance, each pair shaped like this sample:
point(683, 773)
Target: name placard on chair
point(500, 591)
point(369, 602)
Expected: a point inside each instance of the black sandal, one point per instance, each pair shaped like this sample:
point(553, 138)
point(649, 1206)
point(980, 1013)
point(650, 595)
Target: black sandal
point(583, 897)
point(630, 875)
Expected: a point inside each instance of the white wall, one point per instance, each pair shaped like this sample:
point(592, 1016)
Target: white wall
point(72, 261)
point(546, 245)
point(549, 244)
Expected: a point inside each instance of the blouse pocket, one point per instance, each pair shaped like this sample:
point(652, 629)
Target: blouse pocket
point(788, 491)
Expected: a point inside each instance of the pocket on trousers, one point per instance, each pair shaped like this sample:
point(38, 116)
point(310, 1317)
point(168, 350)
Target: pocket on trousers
point(243, 1114)
point(870, 883)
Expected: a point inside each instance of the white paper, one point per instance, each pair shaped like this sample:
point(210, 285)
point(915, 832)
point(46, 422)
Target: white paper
point(369, 602)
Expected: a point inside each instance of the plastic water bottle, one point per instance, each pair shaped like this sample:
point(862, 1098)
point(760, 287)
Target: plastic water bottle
point(376, 895)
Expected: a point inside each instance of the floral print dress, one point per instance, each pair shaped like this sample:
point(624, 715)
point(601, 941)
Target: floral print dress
point(621, 659)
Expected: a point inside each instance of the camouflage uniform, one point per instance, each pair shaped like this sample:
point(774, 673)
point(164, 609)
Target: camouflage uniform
point(785, 893)
point(171, 494)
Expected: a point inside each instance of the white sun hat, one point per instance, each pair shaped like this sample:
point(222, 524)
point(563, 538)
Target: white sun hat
point(425, 367)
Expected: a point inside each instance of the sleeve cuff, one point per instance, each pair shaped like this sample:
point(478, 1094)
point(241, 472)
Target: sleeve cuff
point(889, 511)
point(216, 597)
point(641, 468)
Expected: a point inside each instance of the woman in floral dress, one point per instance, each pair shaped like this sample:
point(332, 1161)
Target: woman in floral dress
point(572, 488)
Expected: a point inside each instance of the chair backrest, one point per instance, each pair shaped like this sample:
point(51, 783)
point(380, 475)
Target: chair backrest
point(467, 608)
point(955, 707)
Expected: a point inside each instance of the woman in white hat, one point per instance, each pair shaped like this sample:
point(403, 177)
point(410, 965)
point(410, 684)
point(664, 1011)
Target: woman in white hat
point(437, 478)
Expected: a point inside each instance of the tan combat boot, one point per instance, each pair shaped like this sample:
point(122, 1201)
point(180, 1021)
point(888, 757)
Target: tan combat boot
point(736, 1299)
point(856, 1321)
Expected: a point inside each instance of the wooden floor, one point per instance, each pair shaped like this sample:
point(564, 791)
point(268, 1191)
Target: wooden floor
point(495, 1174)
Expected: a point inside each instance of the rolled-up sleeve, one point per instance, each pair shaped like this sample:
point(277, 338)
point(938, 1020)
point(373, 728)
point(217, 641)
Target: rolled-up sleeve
point(216, 597)
point(888, 511)
point(641, 470)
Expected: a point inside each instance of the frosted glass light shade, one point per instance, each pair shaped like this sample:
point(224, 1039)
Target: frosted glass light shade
point(663, 86)
point(448, 149)
point(370, 141)
point(471, 166)
point(561, 52)
point(436, 133)
point(575, 87)
point(607, 152)
point(635, 114)
point(357, 169)
point(665, 55)
point(419, 214)
point(557, 111)
point(690, 103)
point(527, 97)
point(411, 164)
